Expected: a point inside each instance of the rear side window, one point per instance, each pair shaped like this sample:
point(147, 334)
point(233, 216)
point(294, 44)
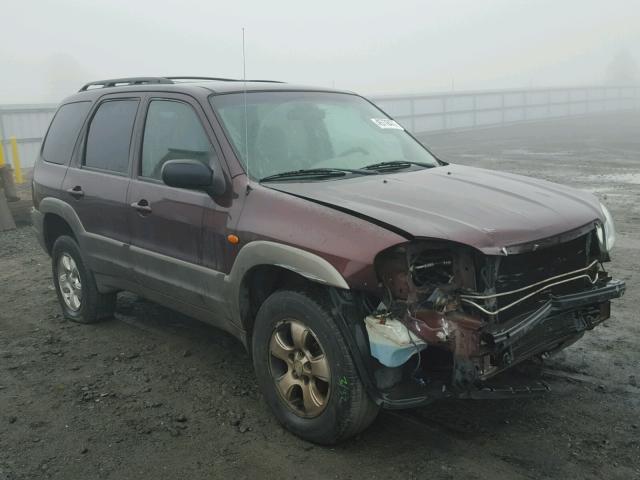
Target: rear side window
point(63, 132)
point(109, 136)
point(172, 131)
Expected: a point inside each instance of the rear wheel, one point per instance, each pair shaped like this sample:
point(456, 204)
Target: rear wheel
point(76, 286)
point(305, 370)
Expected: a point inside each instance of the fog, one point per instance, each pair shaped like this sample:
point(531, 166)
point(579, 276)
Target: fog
point(49, 49)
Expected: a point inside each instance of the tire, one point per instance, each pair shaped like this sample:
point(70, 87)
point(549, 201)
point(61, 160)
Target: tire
point(92, 306)
point(347, 409)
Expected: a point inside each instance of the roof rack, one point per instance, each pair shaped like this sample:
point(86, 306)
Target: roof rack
point(124, 82)
point(222, 79)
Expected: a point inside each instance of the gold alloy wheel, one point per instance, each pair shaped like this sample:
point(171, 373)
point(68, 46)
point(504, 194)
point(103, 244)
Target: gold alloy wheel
point(299, 368)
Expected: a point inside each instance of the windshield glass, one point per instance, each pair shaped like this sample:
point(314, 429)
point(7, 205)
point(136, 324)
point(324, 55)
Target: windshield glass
point(310, 130)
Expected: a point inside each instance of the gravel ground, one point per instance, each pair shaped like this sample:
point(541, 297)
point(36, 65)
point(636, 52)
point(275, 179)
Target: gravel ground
point(153, 394)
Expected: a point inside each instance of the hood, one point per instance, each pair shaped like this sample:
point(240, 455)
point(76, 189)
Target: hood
point(485, 209)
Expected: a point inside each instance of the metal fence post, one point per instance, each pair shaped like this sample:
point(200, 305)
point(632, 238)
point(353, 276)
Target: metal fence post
point(444, 113)
point(15, 157)
point(475, 110)
point(412, 110)
point(619, 98)
point(2, 135)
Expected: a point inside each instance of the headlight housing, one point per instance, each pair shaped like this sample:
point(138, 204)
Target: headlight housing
point(607, 234)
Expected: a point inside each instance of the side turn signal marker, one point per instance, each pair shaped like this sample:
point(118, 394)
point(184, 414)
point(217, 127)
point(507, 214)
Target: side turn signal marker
point(233, 239)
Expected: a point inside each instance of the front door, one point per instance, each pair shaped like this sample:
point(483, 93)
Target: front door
point(166, 222)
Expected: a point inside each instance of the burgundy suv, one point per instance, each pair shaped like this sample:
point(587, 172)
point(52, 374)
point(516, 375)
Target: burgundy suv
point(358, 269)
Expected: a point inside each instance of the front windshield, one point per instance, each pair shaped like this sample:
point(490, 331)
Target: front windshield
point(289, 131)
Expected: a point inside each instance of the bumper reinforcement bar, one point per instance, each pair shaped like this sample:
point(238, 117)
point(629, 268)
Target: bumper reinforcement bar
point(509, 333)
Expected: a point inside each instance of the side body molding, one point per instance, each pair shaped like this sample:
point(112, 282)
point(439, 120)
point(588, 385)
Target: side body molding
point(262, 252)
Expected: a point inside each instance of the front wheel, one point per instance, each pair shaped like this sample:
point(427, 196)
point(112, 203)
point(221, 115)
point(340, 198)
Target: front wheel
point(305, 370)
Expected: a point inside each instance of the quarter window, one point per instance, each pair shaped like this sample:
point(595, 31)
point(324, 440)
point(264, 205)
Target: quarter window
point(109, 137)
point(172, 131)
point(63, 132)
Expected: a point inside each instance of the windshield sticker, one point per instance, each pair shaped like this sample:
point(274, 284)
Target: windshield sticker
point(387, 123)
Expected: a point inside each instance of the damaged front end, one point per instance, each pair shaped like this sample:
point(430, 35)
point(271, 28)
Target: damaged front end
point(452, 317)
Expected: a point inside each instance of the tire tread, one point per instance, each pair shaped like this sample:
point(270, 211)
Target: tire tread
point(361, 411)
point(95, 306)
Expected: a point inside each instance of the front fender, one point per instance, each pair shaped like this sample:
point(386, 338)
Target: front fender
point(262, 252)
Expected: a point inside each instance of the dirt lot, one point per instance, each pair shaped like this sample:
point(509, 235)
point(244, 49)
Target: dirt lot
point(153, 395)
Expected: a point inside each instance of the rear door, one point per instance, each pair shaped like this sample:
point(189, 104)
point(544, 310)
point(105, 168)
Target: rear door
point(57, 150)
point(166, 222)
point(97, 181)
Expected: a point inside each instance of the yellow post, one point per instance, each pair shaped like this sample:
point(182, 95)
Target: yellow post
point(16, 161)
point(2, 162)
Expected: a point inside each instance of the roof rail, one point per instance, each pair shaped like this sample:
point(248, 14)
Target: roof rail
point(189, 77)
point(222, 79)
point(122, 82)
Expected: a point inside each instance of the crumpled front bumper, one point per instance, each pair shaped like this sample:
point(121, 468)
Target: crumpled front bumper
point(481, 350)
point(559, 321)
point(510, 333)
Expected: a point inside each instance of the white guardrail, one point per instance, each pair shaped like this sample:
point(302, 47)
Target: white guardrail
point(463, 110)
point(417, 113)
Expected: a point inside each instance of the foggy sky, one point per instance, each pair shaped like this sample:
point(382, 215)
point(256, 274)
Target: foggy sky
point(48, 49)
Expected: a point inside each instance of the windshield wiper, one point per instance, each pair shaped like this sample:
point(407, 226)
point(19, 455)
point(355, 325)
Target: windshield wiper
point(396, 165)
point(316, 172)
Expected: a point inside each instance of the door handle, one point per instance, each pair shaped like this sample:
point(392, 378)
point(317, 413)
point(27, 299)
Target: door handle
point(142, 206)
point(76, 192)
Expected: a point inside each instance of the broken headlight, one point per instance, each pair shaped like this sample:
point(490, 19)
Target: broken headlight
point(432, 269)
point(415, 270)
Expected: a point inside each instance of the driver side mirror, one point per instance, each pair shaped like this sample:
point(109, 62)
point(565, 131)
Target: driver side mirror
point(192, 175)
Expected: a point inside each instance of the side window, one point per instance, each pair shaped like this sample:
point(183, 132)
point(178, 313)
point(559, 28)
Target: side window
point(109, 136)
point(63, 132)
point(172, 131)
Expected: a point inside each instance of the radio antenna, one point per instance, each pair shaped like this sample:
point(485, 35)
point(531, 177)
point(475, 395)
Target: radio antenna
point(244, 95)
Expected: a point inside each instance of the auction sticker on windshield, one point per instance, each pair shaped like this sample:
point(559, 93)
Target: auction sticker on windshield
point(387, 123)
